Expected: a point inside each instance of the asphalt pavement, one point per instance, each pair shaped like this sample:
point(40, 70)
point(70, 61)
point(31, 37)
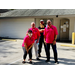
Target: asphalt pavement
point(11, 53)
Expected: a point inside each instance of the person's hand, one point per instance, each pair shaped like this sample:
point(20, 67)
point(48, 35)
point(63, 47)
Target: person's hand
point(54, 42)
point(45, 42)
point(27, 51)
point(37, 41)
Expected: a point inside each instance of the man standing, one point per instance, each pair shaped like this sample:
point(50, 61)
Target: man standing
point(36, 35)
point(41, 40)
point(50, 36)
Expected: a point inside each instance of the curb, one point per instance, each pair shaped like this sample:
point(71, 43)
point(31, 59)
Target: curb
point(9, 40)
point(68, 45)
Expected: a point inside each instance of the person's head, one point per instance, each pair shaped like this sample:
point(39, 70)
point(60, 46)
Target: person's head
point(33, 25)
point(42, 22)
point(49, 22)
point(29, 33)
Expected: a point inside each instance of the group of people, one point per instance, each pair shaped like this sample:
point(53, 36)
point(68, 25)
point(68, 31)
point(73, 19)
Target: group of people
point(36, 36)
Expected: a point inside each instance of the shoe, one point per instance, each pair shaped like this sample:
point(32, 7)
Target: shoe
point(39, 55)
point(56, 62)
point(37, 59)
point(47, 60)
point(23, 62)
point(30, 62)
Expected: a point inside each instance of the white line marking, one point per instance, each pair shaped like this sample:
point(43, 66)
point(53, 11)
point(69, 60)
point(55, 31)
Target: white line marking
point(18, 60)
point(15, 61)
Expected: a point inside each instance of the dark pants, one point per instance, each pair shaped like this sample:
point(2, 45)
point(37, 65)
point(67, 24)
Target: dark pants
point(54, 51)
point(41, 41)
point(25, 53)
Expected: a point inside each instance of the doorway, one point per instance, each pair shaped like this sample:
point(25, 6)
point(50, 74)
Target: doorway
point(64, 30)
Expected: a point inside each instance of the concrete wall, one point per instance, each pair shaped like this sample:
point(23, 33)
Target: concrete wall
point(15, 28)
point(71, 28)
point(56, 22)
point(27, 22)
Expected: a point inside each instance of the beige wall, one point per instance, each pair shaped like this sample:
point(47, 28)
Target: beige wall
point(71, 28)
point(15, 28)
point(56, 22)
point(37, 21)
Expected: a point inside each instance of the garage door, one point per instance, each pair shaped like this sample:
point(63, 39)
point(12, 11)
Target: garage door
point(14, 28)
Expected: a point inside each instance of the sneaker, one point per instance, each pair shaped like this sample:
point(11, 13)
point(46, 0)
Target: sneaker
point(37, 59)
point(23, 62)
point(56, 62)
point(30, 62)
point(39, 55)
point(47, 60)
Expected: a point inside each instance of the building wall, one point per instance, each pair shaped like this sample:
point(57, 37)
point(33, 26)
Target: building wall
point(15, 28)
point(71, 28)
point(56, 22)
point(24, 24)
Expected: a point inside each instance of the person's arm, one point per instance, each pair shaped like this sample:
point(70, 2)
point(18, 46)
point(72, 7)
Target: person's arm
point(30, 47)
point(41, 30)
point(38, 36)
point(54, 42)
point(45, 36)
point(55, 37)
point(45, 40)
point(26, 47)
point(38, 39)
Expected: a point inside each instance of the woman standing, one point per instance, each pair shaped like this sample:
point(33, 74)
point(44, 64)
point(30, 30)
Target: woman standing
point(27, 46)
point(41, 40)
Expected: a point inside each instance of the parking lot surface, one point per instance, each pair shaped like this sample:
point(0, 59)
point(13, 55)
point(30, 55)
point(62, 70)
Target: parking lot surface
point(11, 53)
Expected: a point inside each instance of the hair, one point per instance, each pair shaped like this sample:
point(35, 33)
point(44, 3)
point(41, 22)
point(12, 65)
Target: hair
point(32, 23)
point(48, 20)
point(29, 31)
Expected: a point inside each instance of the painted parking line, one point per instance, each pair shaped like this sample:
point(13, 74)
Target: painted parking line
point(9, 40)
point(15, 61)
point(18, 60)
point(67, 45)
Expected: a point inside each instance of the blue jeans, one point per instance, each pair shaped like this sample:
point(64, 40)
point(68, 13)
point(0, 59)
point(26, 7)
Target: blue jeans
point(25, 53)
point(41, 41)
point(54, 51)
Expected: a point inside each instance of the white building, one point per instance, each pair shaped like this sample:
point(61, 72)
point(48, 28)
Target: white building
point(14, 24)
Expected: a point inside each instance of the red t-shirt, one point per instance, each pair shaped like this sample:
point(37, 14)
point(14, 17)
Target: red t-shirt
point(35, 32)
point(28, 41)
point(50, 33)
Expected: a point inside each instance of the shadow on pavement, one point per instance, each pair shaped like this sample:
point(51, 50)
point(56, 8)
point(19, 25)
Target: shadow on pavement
point(62, 61)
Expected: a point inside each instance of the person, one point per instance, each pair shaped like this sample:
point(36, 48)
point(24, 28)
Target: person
point(41, 40)
point(36, 35)
point(27, 46)
point(50, 36)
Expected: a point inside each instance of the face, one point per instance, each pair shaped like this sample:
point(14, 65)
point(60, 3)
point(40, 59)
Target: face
point(33, 25)
point(49, 22)
point(42, 22)
point(30, 34)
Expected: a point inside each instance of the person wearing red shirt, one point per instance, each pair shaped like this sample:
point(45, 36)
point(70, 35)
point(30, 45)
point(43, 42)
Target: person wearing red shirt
point(50, 36)
point(36, 35)
point(27, 46)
